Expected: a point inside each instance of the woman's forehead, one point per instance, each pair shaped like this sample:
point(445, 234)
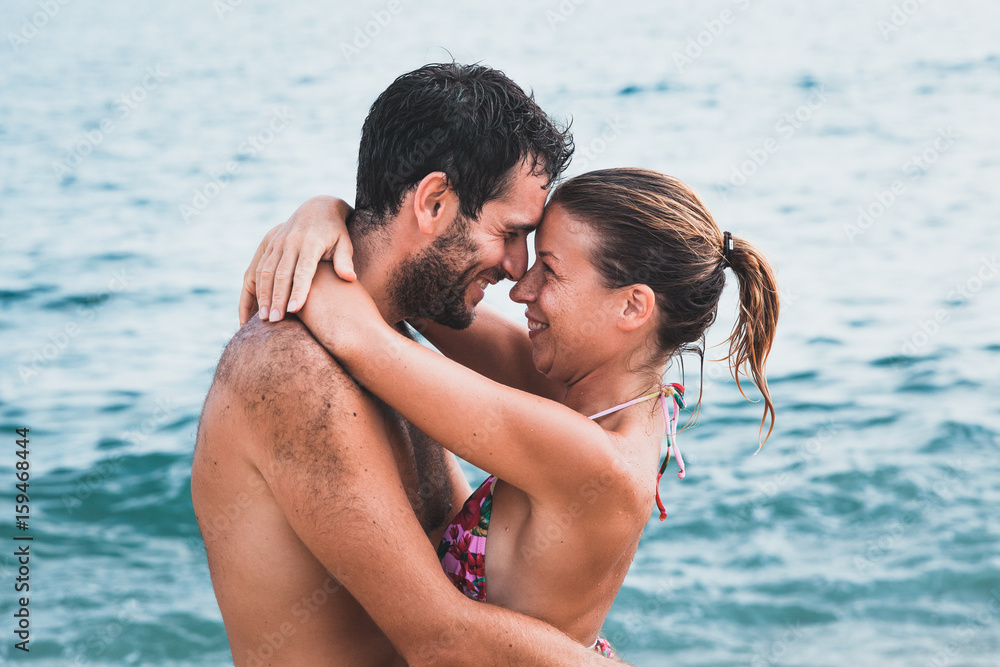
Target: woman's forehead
point(561, 233)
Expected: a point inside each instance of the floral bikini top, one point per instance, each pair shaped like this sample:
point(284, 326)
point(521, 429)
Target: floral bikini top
point(462, 551)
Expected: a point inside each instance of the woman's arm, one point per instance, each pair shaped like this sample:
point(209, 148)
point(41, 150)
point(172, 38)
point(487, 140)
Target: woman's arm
point(494, 346)
point(283, 267)
point(540, 446)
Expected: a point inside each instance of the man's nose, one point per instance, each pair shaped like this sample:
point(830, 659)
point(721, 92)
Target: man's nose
point(515, 260)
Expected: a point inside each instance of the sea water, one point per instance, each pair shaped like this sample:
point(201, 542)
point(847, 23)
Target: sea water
point(145, 148)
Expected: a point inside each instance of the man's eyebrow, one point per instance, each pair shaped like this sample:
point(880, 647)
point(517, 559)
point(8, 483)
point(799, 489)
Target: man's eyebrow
point(522, 226)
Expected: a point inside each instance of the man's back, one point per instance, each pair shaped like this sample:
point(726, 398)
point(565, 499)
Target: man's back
point(275, 452)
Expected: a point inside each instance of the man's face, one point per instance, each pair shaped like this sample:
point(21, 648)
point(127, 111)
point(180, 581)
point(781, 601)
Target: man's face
point(445, 282)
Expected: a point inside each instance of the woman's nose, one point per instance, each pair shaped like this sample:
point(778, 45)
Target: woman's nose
point(526, 289)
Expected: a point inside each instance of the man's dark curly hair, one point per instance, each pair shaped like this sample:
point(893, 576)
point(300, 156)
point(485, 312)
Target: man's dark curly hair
point(470, 122)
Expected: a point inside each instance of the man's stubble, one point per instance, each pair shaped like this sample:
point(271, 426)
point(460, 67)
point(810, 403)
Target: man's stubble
point(433, 283)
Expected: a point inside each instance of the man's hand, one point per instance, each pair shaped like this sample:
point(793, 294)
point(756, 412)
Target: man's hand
point(282, 269)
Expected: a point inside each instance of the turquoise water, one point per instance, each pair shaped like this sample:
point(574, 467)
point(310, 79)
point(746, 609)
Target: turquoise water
point(146, 147)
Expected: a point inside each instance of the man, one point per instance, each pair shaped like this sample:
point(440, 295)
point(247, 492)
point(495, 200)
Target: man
point(317, 502)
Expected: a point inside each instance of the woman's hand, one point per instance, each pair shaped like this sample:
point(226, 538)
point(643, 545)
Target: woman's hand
point(342, 316)
point(283, 266)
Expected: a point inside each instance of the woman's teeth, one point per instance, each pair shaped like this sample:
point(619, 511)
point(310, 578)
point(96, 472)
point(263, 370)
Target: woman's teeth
point(537, 326)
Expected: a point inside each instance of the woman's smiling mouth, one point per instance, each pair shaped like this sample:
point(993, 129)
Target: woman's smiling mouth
point(535, 326)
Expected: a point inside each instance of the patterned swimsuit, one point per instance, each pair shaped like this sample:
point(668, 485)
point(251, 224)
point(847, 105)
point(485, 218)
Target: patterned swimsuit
point(462, 551)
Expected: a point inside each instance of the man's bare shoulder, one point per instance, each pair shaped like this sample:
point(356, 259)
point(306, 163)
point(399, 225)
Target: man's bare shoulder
point(289, 388)
point(279, 354)
point(274, 348)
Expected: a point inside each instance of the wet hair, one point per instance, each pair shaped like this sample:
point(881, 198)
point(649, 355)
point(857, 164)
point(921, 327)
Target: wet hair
point(470, 122)
point(654, 230)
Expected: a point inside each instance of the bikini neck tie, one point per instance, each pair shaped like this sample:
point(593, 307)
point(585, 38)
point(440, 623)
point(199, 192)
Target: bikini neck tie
point(670, 413)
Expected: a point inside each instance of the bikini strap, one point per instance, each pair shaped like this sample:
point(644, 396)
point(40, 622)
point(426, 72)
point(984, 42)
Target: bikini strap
point(627, 404)
point(676, 393)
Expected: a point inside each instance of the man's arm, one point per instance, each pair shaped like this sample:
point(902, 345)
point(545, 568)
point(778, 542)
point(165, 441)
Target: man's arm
point(324, 453)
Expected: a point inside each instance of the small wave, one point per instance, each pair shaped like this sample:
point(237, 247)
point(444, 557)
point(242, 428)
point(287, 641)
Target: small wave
point(960, 436)
point(633, 89)
point(76, 300)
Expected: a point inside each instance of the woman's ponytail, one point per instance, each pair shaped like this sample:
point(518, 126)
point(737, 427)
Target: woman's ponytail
point(753, 333)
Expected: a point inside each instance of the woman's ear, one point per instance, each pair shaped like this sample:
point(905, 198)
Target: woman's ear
point(637, 306)
point(435, 204)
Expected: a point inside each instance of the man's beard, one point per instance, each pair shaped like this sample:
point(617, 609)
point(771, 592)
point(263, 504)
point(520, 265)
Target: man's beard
point(433, 283)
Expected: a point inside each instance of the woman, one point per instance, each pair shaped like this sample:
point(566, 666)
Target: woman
point(629, 270)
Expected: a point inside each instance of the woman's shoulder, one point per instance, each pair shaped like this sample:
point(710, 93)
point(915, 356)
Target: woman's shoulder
point(616, 498)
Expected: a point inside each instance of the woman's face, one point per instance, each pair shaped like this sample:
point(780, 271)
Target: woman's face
point(571, 314)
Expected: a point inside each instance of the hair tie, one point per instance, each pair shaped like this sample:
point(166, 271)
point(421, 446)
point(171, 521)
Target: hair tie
point(727, 247)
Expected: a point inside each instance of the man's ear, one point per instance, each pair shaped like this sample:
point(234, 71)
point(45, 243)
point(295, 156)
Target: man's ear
point(637, 306)
point(435, 204)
